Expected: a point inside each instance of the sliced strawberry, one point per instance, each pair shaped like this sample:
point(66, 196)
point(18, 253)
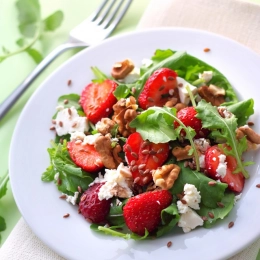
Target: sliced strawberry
point(144, 156)
point(235, 181)
point(144, 210)
point(91, 207)
point(97, 100)
point(85, 156)
point(188, 117)
point(161, 85)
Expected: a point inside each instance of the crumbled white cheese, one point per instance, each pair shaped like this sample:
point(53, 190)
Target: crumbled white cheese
point(222, 166)
point(206, 76)
point(72, 199)
point(190, 220)
point(192, 196)
point(182, 208)
point(91, 139)
point(202, 161)
point(56, 176)
point(68, 121)
point(132, 77)
point(112, 178)
point(77, 136)
point(237, 198)
point(202, 144)
point(183, 93)
point(98, 179)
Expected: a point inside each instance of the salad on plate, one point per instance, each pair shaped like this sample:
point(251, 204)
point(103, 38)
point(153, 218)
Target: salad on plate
point(145, 150)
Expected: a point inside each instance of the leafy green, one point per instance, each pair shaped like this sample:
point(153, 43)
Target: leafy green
point(242, 110)
point(32, 28)
point(115, 216)
point(210, 195)
point(218, 212)
point(123, 90)
point(224, 129)
point(170, 217)
point(3, 185)
point(63, 171)
point(100, 76)
point(2, 226)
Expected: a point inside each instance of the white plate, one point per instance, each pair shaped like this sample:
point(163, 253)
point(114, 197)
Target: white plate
point(39, 202)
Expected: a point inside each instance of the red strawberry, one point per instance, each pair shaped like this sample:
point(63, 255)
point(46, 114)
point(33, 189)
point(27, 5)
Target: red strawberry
point(235, 181)
point(159, 86)
point(144, 210)
point(144, 156)
point(188, 117)
point(91, 207)
point(97, 100)
point(85, 156)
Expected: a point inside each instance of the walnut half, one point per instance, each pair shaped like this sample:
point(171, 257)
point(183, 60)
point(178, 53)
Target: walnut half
point(212, 94)
point(121, 69)
point(165, 176)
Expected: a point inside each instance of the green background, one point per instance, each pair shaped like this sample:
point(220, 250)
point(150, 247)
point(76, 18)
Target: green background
point(16, 68)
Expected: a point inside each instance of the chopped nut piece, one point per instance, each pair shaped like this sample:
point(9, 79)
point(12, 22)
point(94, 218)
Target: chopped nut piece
point(105, 126)
point(124, 113)
point(182, 153)
point(165, 176)
point(212, 94)
point(180, 106)
point(116, 150)
point(122, 69)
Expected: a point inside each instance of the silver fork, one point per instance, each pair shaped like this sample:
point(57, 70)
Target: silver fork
point(94, 29)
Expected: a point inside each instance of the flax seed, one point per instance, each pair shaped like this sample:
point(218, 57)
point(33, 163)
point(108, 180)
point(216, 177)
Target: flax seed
point(179, 196)
point(183, 201)
point(145, 180)
point(155, 159)
point(257, 185)
point(220, 204)
point(211, 215)
point(52, 128)
point(132, 163)
point(61, 141)
point(69, 82)
point(136, 179)
point(141, 166)
point(66, 215)
point(66, 101)
point(169, 244)
point(230, 224)
point(212, 183)
point(150, 99)
point(160, 151)
point(206, 49)
point(63, 196)
point(170, 78)
point(79, 189)
point(128, 147)
point(60, 124)
point(161, 88)
point(59, 181)
point(133, 90)
point(204, 218)
point(134, 168)
point(146, 171)
point(135, 155)
point(152, 152)
point(83, 197)
point(141, 172)
point(145, 152)
point(75, 124)
point(250, 123)
point(144, 144)
point(69, 111)
point(180, 85)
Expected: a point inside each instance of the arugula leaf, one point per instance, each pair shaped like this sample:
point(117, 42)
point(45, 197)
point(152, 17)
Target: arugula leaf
point(32, 26)
point(62, 168)
point(2, 226)
point(3, 185)
point(223, 128)
point(53, 21)
point(242, 110)
point(123, 90)
point(218, 212)
point(100, 76)
point(115, 216)
point(210, 195)
point(170, 217)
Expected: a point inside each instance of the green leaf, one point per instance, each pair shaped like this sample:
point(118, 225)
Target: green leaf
point(28, 30)
point(100, 76)
point(53, 21)
point(2, 224)
point(36, 55)
point(115, 216)
point(224, 129)
point(156, 126)
point(210, 195)
point(170, 217)
point(218, 212)
point(3, 185)
point(242, 110)
point(122, 91)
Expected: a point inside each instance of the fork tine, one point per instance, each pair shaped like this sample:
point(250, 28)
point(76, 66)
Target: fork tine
point(103, 13)
point(116, 19)
point(94, 15)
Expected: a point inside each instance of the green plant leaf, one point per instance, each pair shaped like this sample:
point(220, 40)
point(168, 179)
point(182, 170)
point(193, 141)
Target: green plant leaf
point(3, 185)
point(36, 55)
point(53, 21)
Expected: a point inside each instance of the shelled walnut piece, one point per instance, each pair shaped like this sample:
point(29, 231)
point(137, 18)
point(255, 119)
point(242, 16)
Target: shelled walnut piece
point(121, 69)
point(165, 176)
point(105, 126)
point(253, 139)
point(182, 153)
point(124, 113)
point(212, 94)
point(104, 148)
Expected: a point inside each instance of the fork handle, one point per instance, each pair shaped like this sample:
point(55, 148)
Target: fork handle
point(17, 93)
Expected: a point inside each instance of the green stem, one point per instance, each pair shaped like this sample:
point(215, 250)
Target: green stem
point(191, 96)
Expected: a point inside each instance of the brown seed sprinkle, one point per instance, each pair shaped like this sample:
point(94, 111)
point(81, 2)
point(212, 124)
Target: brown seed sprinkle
point(230, 224)
point(161, 88)
point(180, 85)
point(128, 147)
point(257, 185)
point(169, 244)
point(183, 201)
point(69, 82)
point(170, 78)
point(145, 180)
point(145, 151)
point(160, 151)
point(136, 179)
point(141, 172)
point(60, 124)
point(150, 99)
point(63, 196)
point(83, 197)
point(141, 166)
point(211, 215)
point(59, 181)
point(220, 204)
point(52, 128)
point(134, 168)
point(250, 123)
point(133, 90)
point(66, 215)
point(146, 171)
point(69, 111)
point(152, 152)
point(61, 141)
point(53, 121)
point(155, 159)
point(135, 155)
point(212, 183)
point(144, 144)
point(75, 124)
point(204, 218)
point(66, 101)
point(132, 163)
point(206, 49)
point(79, 189)
point(179, 196)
